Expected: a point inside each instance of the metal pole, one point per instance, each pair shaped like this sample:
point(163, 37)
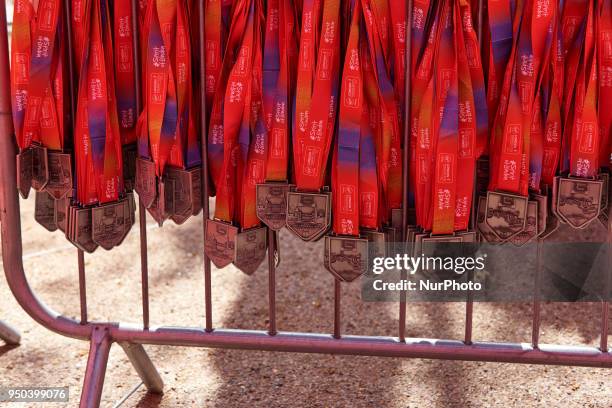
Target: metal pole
point(406, 161)
point(142, 211)
point(96, 368)
point(272, 236)
point(204, 152)
point(9, 335)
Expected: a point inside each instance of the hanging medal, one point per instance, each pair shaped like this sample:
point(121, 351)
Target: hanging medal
point(309, 206)
point(37, 90)
point(277, 96)
point(102, 213)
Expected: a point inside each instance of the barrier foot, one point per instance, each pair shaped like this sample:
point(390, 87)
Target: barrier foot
point(144, 367)
point(96, 368)
point(9, 335)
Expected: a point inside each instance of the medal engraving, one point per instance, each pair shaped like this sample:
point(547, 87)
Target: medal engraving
point(347, 258)
point(531, 226)
point(24, 172)
point(219, 244)
point(308, 214)
point(44, 210)
point(578, 201)
point(250, 249)
point(111, 223)
point(146, 183)
point(272, 204)
point(60, 175)
point(506, 214)
point(82, 230)
point(40, 167)
point(181, 194)
point(483, 228)
point(61, 213)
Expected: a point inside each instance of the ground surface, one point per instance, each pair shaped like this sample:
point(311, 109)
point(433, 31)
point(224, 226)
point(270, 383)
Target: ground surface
point(219, 378)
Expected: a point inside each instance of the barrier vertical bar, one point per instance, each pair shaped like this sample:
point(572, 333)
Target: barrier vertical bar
point(142, 211)
point(337, 305)
point(605, 305)
point(71, 86)
point(406, 162)
point(272, 240)
point(96, 368)
point(204, 152)
point(469, 304)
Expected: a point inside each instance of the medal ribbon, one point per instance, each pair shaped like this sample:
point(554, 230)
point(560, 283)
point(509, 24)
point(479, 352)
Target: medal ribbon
point(316, 109)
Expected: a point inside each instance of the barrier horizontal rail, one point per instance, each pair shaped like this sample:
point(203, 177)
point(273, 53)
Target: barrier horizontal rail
point(102, 335)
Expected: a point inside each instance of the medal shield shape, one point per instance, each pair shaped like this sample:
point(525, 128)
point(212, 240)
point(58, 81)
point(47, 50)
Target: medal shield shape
point(578, 201)
point(61, 213)
point(532, 225)
point(219, 243)
point(145, 183)
point(346, 258)
point(250, 249)
point(111, 223)
point(272, 204)
point(506, 214)
point(24, 172)
point(308, 214)
point(82, 230)
point(44, 210)
point(183, 193)
point(40, 167)
point(60, 175)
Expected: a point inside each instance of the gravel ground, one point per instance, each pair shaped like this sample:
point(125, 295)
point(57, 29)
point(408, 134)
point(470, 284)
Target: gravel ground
point(222, 378)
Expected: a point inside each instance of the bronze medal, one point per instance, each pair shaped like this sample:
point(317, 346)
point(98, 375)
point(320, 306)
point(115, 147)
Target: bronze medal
point(129, 166)
point(145, 183)
point(219, 243)
point(164, 202)
point(308, 214)
point(418, 243)
point(392, 236)
point(44, 210)
point(179, 198)
point(542, 200)
point(196, 190)
point(376, 243)
point(111, 223)
point(272, 204)
point(40, 167)
point(396, 218)
point(605, 198)
point(468, 237)
point(506, 214)
point(531, 226)
point(579, 201)
point(483, 228)
point(61, 213)
point(82, 230)
point(24, 172)
point(60, 175)
point(347, 257)
point(250, 249)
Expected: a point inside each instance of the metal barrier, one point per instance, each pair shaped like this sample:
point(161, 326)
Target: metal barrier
point(9, 335)
point(102, 335)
